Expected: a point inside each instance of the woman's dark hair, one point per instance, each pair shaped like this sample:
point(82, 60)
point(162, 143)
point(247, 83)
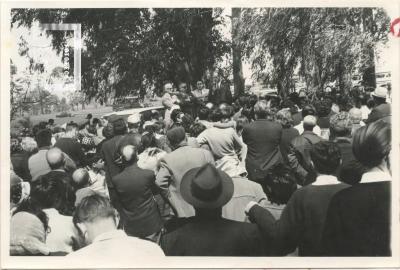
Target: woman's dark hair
point(372, 143)
point(146, 116)
point(174, 114)
point(148, 140)
point(196, 129)
point(187, 122)
point(96, 121)
point(326, 157)
point(204, 113)
point(216, 115)
point(31, 207)
point(43, 137)
point(279, 184)
point(48, 191)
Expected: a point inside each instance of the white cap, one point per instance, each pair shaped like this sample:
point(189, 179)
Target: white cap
point(134, 119)
point(380, 92)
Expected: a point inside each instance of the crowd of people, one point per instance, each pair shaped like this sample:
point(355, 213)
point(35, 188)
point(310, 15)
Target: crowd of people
point(210, 175)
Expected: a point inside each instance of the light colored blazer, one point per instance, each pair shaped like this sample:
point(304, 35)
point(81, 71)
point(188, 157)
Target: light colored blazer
point(172, 168)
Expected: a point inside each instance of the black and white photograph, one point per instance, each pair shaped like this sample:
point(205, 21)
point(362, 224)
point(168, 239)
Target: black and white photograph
point(155, 134)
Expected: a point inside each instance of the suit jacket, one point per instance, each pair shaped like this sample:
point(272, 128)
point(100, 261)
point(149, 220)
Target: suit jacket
point(200, 236)
point(73, 149)
point(301, 222)
point(299, 155)
point(382, 111)
point(358, 221)
point(288, 134)
point(19, 161)
point(108, 153)
point(244, 192)
point(173, 166)
point(139, 211)
point(262, 138)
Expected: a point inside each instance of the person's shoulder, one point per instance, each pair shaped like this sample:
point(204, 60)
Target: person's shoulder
point(175, 224)
point(145, 172)
point(243, 227)
point(142, 243)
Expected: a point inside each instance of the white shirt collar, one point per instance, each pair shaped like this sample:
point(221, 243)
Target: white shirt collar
point(110, 235)
point(375, 176)
point(325, 179)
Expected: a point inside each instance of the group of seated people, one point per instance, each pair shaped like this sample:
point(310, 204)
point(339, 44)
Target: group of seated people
point(255, 177)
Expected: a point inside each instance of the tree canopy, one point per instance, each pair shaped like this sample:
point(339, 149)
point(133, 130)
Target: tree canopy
point(325, 44)
point(127, 51)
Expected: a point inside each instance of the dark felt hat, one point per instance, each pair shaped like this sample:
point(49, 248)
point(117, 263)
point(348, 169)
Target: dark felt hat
point(206, 187)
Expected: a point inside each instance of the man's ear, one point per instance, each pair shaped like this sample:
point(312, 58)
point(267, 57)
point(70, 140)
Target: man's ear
point(82, 229)
point(116, 217)
point(312, 164)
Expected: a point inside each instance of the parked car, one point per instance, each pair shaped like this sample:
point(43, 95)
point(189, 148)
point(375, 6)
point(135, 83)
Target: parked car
point(126, 113)
point(383, 79)
point(64, 114)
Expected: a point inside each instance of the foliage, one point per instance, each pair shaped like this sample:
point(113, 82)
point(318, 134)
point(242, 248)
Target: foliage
point(325, 44)
point(27, 87)
point(127, 51)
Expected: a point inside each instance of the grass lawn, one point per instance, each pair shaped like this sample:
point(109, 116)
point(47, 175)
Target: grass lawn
point(78, 116)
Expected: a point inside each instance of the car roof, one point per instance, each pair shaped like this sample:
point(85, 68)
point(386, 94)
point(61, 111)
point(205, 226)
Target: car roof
point(132, 111)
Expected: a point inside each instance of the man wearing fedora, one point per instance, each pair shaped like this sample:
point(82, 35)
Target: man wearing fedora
point(381, 110)
point(207, 233)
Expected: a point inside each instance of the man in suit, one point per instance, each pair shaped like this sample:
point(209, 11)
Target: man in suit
point(299, 152)
point(262, 138)
point(108, 150)
point(70, 145)
point(207, 189)
point(135, 188)
point(37, 163)
point(303, 218)
point(358, 220)
point(175, 164)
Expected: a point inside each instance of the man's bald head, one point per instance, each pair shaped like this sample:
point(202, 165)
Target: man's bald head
point(80, 178)
point(56, 159)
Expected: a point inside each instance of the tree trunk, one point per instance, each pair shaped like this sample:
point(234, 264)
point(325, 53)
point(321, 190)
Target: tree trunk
point(238, 80)
point(369, 72)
